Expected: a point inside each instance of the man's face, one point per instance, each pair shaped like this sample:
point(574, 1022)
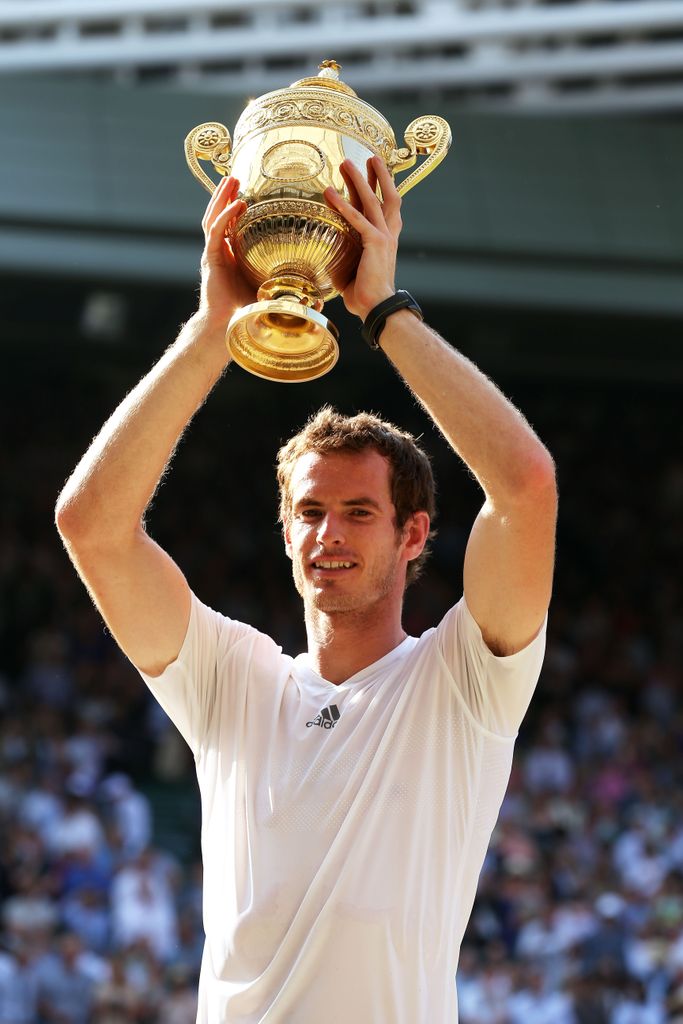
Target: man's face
point(346, 552)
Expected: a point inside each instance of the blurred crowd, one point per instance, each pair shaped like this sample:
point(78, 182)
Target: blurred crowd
point(579, 915)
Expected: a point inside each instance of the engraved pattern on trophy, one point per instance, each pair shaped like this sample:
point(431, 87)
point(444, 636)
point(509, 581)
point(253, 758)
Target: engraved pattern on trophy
point(296, 250)
point(340, 111)
point(284, 237)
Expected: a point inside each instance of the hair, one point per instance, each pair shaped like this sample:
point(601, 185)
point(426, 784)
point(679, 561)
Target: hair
point(411, 480)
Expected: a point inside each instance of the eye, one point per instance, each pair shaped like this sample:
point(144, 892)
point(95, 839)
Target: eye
point(360, 512)
point(310, 513)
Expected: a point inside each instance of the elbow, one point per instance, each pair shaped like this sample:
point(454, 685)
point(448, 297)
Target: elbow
point(535, 480)
point(540, 480)
point(75, 518)
point(69, 519)
point(541, 471)
point(85, 527)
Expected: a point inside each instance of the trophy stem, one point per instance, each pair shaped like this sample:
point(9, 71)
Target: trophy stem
point(293, 286)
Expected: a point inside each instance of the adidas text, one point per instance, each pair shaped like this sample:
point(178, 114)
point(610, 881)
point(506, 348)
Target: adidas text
point(326, 719)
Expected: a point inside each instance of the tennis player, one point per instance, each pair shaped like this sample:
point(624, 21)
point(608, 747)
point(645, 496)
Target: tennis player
point(348, 794)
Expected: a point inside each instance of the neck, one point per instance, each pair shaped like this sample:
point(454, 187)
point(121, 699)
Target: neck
point(343, 643)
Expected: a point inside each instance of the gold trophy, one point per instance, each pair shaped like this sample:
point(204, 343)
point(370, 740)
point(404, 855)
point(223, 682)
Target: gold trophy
point(294, 249)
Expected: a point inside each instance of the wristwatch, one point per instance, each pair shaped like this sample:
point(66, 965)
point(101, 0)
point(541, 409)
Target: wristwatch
point(377, 317)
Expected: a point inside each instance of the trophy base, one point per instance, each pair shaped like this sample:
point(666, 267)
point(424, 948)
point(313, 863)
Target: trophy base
point(281, 339)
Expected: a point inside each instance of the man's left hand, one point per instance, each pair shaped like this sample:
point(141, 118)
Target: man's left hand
point(378, 222)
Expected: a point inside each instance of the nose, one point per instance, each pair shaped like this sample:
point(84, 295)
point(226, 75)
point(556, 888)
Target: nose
point(330, 530)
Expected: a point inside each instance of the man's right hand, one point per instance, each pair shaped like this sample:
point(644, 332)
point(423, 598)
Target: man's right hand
point(224, 286)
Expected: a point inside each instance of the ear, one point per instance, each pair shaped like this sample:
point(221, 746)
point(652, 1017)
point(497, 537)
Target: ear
point(415, 533)
point(287, 539)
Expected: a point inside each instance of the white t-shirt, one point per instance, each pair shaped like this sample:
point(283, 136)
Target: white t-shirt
point(343, 827)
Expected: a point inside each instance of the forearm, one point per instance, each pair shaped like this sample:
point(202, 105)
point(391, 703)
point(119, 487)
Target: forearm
point(108, 492)
point(481, 424)
point(486, 430)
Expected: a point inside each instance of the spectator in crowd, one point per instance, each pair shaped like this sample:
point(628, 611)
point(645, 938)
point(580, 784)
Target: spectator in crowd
point(85, 912)
point(80, 828)
point(179, 1005)
point(18, 986)
point(537, 1002)
point(143, 908)
point(65, 990)
point(115, 999)
point(130, 813)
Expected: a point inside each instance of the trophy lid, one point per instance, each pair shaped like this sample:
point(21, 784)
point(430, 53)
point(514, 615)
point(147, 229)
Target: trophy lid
point(323, 102)
point(328, 78)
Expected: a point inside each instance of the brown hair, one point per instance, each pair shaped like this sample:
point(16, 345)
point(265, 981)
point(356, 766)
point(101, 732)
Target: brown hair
point(410, 473)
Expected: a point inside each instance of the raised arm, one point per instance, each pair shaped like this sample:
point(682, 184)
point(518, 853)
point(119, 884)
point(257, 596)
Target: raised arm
point(140, 591)
point(510, 554)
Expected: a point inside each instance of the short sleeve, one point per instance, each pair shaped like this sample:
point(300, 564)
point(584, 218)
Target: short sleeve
point(187, 688)
point(496, 690)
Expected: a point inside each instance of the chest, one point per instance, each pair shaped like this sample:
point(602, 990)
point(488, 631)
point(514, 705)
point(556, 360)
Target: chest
point(326, 751)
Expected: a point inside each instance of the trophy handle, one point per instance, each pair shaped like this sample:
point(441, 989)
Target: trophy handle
point(428, 134)
point(210, 141)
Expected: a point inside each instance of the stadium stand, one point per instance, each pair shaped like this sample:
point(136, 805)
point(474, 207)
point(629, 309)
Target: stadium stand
point(554, 56)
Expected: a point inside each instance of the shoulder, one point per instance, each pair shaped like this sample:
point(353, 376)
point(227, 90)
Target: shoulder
point(221, 660)
point(212, 631)
point(495, 688)
point(459, 629)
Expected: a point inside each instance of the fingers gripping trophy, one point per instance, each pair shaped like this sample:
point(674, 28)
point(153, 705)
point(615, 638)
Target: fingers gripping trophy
point(289, 243)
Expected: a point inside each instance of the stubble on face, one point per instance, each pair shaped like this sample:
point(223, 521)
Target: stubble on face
point(332, 599)
point(338, 480)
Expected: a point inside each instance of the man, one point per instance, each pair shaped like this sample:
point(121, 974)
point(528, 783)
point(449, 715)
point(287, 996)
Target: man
point(349, 794)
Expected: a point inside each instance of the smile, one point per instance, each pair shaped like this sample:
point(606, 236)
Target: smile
point(329, 564)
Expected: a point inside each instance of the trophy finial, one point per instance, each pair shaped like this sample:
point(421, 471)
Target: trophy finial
point(327, 78)
point(329, 69)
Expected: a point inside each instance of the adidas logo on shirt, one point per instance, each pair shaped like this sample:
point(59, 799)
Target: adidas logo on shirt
point(326, 719)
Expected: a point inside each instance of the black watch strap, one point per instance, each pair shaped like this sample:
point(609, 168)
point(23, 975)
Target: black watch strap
point(377, 317)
